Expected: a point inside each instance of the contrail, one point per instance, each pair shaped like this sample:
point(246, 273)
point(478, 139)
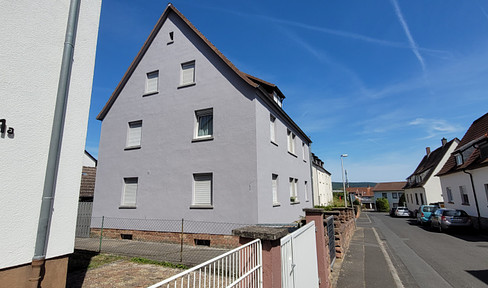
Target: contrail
point(413, 45)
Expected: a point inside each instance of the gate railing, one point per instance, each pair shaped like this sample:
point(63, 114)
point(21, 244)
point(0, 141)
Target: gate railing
point(241, 267)
point(331, 234)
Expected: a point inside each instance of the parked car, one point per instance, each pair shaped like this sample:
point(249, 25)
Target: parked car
point(402, 212)
point(443, 219)
point(392, 212)
point(424, 213)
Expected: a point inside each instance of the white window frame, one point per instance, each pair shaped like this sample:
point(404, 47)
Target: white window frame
point(152, 82)
point(187, 73)
point(459, 159)
point(272, 128)
point(305, 191)
point(304, 150)
point(129, 192)
point(486, 191)
point(293, 190)
point(274, 189)
point(134, 134)
point(464, 195)
point(291, 142)
point(200, 197)
point(198, 115)
point(449, 195)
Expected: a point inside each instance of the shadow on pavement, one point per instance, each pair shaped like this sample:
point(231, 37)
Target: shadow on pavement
point(480, 274)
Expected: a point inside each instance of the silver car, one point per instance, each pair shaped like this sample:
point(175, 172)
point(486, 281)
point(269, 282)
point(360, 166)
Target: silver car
point(402, 212)
point(444, 219)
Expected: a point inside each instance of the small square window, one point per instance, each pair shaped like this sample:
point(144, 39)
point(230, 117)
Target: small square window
point(187, 73)
point(152, 82)
point(459, 159)
point(203, 124)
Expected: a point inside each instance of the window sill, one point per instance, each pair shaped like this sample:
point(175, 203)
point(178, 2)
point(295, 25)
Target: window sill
point(465, 204)
point(150, 93)
point(127, 207)
point(202, 139)
point(201, 207)
point(187, 85)
point(274, 143)
point(295, 202)
point(132, 148)
point(170, 42)
point(450, 202)
point(292, 154)
point(276, 204)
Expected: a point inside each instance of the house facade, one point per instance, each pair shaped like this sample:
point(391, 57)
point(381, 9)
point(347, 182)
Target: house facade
point(186, 135)
point(391, 191)
point(464, 177)
point(39, 231)
point(322, 183)
point(423, 186)
point(365, 196)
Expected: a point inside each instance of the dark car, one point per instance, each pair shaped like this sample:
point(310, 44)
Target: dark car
point(444, 219)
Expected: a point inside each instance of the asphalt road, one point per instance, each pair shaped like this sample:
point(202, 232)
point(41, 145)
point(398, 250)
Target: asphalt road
point(424, 258)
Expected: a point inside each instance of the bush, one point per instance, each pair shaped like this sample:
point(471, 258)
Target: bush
point(382, 205)
point(356, 202)
point(401, 201)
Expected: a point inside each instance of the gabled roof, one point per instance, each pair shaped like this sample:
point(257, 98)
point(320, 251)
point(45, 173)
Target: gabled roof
point(361, 191)
point(476, 135)
point(389, 186)
point(263, 86)
point(429, 163)
point(91, 157)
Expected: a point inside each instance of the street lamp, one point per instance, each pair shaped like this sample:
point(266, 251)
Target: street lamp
point(343, 183)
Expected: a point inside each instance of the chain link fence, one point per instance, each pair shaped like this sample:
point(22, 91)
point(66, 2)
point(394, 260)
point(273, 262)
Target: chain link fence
point(176, 241)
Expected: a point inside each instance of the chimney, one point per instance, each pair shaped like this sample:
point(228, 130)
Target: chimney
point(427, 149)
point(444, 141)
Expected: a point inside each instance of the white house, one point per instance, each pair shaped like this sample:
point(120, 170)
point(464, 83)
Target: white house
point(322, 183)
point(464, 177)
point(423, 186)
point(39, 206)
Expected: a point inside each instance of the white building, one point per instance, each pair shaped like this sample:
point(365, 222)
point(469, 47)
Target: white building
point(322, 183)
point(32, 47)
point(464, 177)
point(423, 186)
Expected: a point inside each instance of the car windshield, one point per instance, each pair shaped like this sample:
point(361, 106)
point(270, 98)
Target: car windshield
point(455, 213)
point(429, 209)
point(402, 209)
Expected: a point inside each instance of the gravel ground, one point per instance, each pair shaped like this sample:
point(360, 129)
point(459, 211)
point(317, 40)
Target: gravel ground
point(121, 273)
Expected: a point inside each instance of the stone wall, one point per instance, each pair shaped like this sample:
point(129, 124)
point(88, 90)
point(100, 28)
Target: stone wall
point(344, 226)
point(220, 241)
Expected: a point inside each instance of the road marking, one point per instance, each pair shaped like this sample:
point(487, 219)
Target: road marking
point(393, 271)
point(369, 219)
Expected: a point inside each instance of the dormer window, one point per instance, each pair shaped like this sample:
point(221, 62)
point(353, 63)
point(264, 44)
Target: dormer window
point(459, 159)
point(277, 99)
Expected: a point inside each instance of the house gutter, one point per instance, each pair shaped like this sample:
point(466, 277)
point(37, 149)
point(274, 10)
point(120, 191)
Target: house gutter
point(475, 198)
point(50, 179)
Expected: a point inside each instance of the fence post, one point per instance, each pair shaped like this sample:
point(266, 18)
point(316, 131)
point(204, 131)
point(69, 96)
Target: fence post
point(101, 236)
point(181, 245)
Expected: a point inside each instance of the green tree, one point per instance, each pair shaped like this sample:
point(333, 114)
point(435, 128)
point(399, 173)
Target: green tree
point(401, 201)
point(382, 205)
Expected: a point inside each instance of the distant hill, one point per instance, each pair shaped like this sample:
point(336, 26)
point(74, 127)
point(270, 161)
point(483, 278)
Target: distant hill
point(338, 185)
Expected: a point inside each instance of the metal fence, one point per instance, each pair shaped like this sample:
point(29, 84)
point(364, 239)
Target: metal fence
point(176, 241)
point(241, 267)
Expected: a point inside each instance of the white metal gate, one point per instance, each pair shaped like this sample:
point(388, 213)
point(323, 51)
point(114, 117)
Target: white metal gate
point(84, 219)
point(299, 259)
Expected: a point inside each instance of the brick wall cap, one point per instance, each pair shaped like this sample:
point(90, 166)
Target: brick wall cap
point(313, 210)
point(261, 232)
point(332, 212)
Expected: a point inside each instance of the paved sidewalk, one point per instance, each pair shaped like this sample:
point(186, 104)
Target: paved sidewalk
point(367, 263)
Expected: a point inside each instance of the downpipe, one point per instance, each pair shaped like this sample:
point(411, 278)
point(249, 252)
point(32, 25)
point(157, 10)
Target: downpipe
point(38, 261)
point(475, 198)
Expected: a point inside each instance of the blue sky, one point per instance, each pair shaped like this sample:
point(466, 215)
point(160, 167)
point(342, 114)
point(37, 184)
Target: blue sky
point(378, 80)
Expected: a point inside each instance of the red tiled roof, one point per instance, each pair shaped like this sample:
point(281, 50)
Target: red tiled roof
point(389, 186)
point(362, 191)
point(87, 186)
point(476, 134)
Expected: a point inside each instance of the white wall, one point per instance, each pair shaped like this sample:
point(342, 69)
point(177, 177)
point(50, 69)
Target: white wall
point(88, 161)
point(32, 45)
point(322, 187)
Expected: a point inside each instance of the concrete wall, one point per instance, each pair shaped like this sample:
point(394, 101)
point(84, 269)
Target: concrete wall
point(32, 43)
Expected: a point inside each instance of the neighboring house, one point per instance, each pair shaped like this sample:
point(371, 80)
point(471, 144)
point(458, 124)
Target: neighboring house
point(35, 249)
point(464, 177)
point(365, 195)
point(186, 135)
point(391, 191)
point(423, 186)
point(87, 189)
point(322, 183)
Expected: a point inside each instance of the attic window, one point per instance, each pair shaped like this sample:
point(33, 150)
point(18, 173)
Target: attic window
point(277, 99)
point(171, 37)
point(459, 159)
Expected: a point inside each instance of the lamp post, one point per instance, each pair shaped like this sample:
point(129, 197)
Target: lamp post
point(343, 183)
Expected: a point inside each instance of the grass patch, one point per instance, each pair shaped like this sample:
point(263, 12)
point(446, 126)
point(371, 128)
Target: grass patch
point(102, 259)
point(140, 260)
